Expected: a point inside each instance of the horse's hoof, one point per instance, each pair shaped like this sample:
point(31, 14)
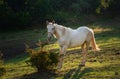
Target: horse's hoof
point(59, 67)
point(81, 65)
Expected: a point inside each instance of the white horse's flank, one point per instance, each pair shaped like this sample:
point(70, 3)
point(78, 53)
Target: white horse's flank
point(68, 37)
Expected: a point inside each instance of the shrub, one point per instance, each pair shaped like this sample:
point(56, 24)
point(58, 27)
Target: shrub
point(42, 59)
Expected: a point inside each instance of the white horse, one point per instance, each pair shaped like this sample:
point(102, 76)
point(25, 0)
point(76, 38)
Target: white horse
point(68, 37)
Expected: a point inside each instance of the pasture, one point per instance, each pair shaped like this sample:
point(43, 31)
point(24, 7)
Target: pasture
point(104, 64)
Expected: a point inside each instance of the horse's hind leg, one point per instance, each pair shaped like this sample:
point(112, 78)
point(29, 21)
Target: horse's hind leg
point(87, 46)
point(84, 54)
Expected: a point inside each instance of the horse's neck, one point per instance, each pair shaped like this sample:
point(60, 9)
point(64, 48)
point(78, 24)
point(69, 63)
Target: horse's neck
point(59, 31)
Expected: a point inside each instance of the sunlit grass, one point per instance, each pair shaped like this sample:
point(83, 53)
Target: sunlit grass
point(17, 69)
point(99, 28)
point(104, 65)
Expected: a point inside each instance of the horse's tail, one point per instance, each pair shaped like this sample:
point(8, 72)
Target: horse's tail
point(94, 45)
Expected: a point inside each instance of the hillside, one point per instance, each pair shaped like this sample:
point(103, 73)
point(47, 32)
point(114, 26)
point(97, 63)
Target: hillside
point(104, 64)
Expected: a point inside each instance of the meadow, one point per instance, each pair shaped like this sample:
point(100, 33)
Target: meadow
point(104, 64)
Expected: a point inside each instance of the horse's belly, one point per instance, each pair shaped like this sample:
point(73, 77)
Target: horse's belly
point(74, 45)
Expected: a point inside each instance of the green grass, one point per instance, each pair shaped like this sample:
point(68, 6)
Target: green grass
point(21, 36)
point(104, 64)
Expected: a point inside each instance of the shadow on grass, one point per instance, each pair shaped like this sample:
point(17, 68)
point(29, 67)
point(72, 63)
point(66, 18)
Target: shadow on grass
point(17, 58)
point(77, 73)
point(37, 75)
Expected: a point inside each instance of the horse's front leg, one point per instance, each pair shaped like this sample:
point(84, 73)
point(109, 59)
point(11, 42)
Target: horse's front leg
point(62, 53)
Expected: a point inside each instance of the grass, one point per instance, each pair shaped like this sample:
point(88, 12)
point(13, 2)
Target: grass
point(14, 42)
point(104, 64)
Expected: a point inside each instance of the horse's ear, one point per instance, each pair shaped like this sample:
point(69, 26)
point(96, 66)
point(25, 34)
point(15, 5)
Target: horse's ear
point(53, 21)
point(47, 22)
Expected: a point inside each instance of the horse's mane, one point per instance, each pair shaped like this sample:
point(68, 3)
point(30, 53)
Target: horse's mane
point(63, 26)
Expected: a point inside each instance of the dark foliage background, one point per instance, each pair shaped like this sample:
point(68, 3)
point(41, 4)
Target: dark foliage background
point(23, 14)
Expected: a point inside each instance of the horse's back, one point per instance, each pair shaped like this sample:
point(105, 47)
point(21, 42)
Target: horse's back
point(80, 32)
point(84, 28)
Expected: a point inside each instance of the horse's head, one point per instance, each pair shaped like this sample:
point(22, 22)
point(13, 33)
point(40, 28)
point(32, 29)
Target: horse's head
point(50, 29)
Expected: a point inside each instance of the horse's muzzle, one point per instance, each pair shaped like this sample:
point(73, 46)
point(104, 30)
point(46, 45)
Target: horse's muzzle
point(49, 39)
point(49, 36)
